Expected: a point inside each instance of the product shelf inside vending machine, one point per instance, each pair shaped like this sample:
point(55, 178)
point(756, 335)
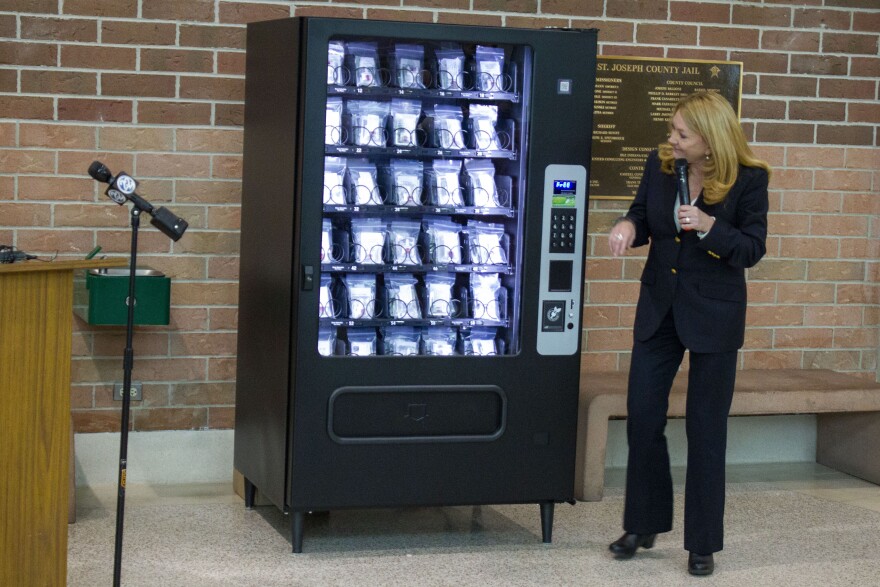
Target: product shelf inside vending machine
point(417, 211)
point(388, 92)
point(378, 322)
point(423, 268)
point(420, 152)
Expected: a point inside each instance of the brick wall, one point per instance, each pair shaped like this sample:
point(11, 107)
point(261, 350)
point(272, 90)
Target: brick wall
point(155, 87)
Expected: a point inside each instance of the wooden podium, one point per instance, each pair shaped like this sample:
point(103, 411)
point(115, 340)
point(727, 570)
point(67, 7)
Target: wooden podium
point(36, 312)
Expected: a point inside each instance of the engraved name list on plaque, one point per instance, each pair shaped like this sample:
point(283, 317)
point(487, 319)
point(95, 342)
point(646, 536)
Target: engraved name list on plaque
point(633, 99)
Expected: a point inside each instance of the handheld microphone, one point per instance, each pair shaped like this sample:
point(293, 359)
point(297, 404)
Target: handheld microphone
point(100, 172)
point(122, 188)
point(681, 172)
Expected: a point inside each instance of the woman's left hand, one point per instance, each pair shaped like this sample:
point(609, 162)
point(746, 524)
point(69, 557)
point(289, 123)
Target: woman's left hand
point(692, 218)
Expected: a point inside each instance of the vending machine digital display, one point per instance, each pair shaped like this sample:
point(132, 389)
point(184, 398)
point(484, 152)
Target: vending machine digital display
point(414, 211)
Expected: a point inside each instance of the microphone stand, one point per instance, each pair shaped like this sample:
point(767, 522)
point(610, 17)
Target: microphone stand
point(127, 366)
point(121, 190)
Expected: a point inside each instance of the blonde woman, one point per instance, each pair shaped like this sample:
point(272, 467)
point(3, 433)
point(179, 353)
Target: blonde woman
point(693, 296)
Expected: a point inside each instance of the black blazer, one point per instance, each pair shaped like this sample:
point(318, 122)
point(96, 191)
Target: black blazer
point(702, 280)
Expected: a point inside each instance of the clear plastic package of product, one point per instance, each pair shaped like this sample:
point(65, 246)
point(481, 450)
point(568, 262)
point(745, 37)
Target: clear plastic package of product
point(334, 181)
point(368, 237)
point(408, 62)
point(440, 340)
point(446, 122)
point(364, 183)
point(362, 341)
point(439, 296)
point(326, 305)
point(404, 122)
point(401, 340)
point(327, 241)
point(490, 69)
point(336, 72)
point(450, 67)
point(481, 121)
point(326, 341)
point(403, 237)
point(480, 340)
point(481, 179)
point(368, 122)
point(361, 290)
point(407, 176)
point(444, 183)
point(402, 297)
point(485, 293)
point(333, 131)
point(335, 242)
point(443, 240)
point(485, 243)
point(363, 57)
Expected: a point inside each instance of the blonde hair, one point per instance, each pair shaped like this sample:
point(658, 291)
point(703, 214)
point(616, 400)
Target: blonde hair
point(711, 116)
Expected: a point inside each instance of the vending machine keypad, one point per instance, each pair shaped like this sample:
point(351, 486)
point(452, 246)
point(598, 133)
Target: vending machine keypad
point(563, 230)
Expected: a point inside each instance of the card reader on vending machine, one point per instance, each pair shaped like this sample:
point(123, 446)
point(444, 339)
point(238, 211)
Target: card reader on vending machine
point(562, 250)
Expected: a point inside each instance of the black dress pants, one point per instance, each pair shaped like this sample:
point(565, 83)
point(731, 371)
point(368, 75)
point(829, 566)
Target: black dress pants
point(648, 506)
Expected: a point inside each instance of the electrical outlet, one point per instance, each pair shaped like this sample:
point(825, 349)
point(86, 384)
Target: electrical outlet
point(136, 390)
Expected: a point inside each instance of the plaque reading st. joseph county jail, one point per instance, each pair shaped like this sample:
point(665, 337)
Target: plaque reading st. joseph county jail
point(633, 100)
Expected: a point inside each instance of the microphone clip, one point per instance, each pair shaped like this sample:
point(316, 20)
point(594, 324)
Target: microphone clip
point(122, 188)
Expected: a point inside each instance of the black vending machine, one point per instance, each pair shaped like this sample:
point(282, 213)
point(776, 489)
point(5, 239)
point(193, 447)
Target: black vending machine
point(414, 215)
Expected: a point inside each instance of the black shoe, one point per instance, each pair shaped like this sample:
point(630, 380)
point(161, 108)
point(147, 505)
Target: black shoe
point(625, 546)
point(700, 564)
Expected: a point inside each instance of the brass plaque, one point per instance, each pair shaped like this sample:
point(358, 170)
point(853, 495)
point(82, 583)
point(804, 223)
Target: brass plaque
point(633, 100)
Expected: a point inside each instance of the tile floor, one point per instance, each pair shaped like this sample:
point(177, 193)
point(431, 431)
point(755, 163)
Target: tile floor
point(805, 478)
point(822, 528)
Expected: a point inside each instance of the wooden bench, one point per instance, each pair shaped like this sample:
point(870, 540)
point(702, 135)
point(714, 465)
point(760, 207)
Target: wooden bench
point(848, 427)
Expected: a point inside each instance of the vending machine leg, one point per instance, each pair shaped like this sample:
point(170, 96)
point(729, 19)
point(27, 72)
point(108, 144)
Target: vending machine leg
point(297, 521)
point(250, 493)
point(547, 521)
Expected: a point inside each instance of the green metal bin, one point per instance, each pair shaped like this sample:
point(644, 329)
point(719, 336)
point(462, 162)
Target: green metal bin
point(108, 291)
